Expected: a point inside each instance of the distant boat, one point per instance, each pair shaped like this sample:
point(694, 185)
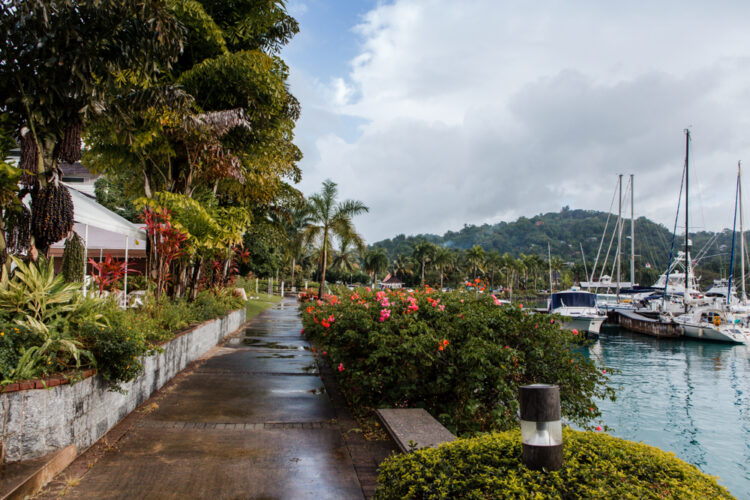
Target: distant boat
point(579, 311)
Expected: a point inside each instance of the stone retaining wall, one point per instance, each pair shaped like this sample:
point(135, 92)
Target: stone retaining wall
point(38, 421)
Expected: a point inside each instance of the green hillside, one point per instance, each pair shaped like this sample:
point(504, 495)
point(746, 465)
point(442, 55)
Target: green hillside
point(566, 231)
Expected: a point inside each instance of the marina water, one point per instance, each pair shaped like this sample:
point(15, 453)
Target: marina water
point(684, 396)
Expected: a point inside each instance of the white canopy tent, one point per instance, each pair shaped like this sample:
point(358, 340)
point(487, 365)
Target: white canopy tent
point(103, 228)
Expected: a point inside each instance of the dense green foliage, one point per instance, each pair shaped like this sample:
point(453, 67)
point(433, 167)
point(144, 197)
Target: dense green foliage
point(59, 62)
point(460, 356)
point(565, 231)
point(47, 327)
point(595, 466)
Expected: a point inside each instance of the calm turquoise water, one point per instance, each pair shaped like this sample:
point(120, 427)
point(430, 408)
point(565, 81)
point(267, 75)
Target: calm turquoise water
point(687, 397)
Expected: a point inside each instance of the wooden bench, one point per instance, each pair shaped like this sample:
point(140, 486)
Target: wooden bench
point(413, 428)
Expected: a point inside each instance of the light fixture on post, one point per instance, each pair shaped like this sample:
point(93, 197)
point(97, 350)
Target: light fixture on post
point(541, 427)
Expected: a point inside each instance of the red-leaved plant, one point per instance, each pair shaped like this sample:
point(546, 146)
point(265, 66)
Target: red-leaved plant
point(166, 243)
point(109, 271)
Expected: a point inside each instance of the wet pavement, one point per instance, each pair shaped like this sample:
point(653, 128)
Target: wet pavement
point(253, 421)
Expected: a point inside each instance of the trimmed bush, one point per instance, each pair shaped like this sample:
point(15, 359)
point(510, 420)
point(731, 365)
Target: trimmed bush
point(595, 465)
point(459, 356)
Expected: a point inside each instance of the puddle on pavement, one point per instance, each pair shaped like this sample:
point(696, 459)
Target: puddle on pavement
point(277, 356)
point(267, 344)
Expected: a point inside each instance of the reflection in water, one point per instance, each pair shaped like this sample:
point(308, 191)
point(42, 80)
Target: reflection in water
point(682, 396)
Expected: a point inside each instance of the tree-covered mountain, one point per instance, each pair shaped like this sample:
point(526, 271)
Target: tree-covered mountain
point(568, 231)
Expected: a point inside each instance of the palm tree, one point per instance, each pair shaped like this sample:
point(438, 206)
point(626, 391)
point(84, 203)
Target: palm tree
point(376, 261)
point(443, 259)
point(347, 257)
point(423, 253)
point(296, 225)
point(329, 218)
point(402, 266)
point(494, 262)
point(475, 258)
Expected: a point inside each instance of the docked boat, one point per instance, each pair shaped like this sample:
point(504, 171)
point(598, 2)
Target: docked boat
point(579, 311)
point(710, 323)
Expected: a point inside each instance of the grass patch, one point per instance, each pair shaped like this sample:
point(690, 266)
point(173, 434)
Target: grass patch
point(263, 302)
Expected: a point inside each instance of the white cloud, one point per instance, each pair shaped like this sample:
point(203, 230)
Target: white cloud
point(483, 110)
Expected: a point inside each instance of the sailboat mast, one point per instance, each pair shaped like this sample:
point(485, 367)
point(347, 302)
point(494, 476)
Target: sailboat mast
point(583, 256)
point(734, 234)
point(632, 235)
point(742, 234)
point(619, 238)
point(687, 240)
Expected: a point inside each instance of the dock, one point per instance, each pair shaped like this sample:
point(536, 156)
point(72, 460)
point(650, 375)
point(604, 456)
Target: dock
point(648, 326)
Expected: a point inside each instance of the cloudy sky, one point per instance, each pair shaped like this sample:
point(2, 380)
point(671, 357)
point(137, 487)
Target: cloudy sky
point(437, 113)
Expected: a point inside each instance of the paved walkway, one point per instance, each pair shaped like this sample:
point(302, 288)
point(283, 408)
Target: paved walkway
point(253, 421)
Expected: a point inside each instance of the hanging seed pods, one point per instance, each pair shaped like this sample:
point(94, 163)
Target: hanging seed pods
point(73, 259)
point(70, 148)
point(51, 215)
point(18, 229)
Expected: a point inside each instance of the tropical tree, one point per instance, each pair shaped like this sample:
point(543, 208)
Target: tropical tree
point(422, 254)
point(443, 259)
point(494, 261)
point(402, 266)
point(475, 258)
point(59, 62)
point(346, 259)
point(298, 220)
point(329, 218)
point(376, 261)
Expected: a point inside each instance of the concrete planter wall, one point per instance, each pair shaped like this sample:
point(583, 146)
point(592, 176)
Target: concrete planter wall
point(39, 421)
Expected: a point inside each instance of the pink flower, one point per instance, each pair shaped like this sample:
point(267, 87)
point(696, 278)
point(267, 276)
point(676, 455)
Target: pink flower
point(442, 307)
point(520, 306)
point(341, 367)
point(575, 332)
point(604, 372)
point(325, 353)
point(368, 289)
point(302, 331)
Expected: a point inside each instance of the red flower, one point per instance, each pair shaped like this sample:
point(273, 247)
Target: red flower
point(341, 367)
point(575, 332)
point(598, 427)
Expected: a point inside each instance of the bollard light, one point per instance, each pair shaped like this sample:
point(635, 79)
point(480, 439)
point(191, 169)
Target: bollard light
point(541, 427)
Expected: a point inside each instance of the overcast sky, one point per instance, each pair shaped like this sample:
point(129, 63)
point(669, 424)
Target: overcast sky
point(437, 113)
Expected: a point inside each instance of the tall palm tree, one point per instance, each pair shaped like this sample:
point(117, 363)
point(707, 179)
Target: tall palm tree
point(376, 261)
point(423, 253)
point(475, 258)
point(443, 259)
point(329, 218)
point(494, 262)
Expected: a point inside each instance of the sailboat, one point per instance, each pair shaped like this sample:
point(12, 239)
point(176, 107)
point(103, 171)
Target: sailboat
point(714, 322)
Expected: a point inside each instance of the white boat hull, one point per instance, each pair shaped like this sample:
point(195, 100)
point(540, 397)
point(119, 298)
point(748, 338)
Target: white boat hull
point(708, 332)
point(589, 324)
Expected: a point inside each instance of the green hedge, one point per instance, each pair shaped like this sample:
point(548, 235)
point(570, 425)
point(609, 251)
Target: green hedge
point(595, 465)
point(460, 356)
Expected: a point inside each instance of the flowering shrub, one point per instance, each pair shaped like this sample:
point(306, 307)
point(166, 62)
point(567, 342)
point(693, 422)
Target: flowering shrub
point(459, 356)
